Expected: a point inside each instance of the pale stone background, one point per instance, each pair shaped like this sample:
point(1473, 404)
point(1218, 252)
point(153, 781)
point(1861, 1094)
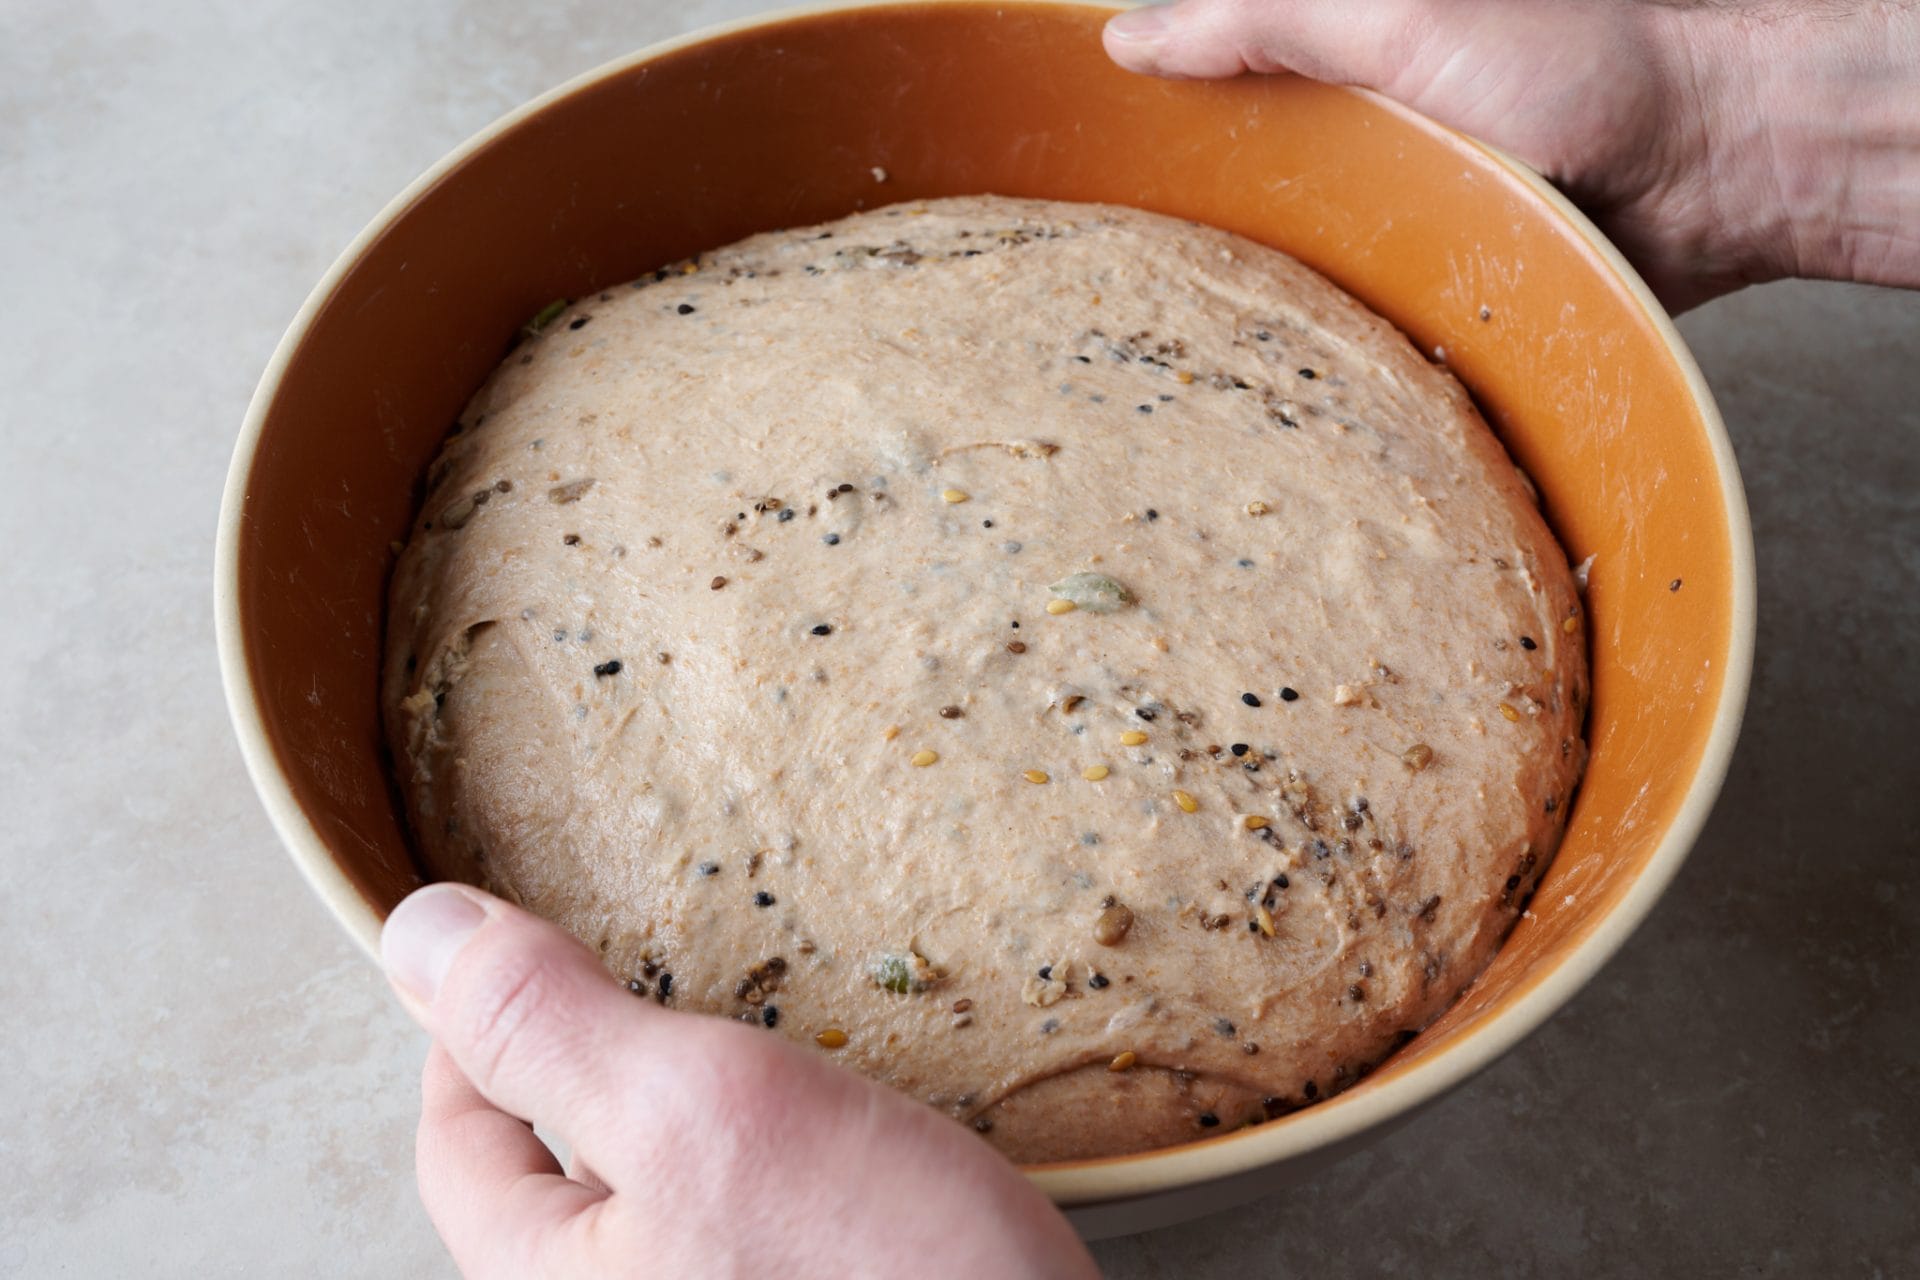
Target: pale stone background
point(205, 1079)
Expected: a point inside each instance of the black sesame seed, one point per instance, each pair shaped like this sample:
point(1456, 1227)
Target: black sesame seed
point(1238, 748)
point(770, 1016)
point(832, 539)
point(1152, 514)
point(666, 985)
point(1311, 1090)
point(1145, 713)
point(1099, 982)
point(1281, 882)
point(1224, 1026)
point(685, 308)
point(608, 668)
point(986, 524)
point(822, 629)
point(1083, 359)
point(709, 868)
point(762, 898)
point(579, 322)
point(1143, 408)
point(1288, 695)
point(1050, 1026)
point(1164, 398)
point(1208, 1120)
point(1308, 374)
point(785, 515)
point(1046, 973)
point(1526, 642)
point(1249, 699)
point(1674, 585)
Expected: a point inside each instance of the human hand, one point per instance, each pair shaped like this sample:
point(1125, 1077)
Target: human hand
point(710, 1148)
point(1718, 144)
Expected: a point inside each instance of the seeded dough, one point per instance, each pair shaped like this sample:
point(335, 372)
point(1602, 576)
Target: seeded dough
point(723, 639)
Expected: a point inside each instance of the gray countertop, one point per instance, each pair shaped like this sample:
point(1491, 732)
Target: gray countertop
point(209, 1080)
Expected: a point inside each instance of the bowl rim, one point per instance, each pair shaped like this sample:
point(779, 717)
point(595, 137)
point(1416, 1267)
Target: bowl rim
point(1108, 1179)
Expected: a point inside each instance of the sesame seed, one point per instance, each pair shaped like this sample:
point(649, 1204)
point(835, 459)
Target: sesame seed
point(1058, 607)
point(821, 629)
point(921, 759)
point(1035, 776)
point(1250, 699)
point(1288, 695)
point(831, 1038)
point(1263, 920)
point(1099, 982)
point(1123, 1061)
point(770, 1016)
point(832, 539)
point(685, 308)
point(717, 583)
point(786, 515)
point(1238, 748)
point(953, 495)
point(1208, 1120)
point(1094, 773)
point(1132, 738)
point(1186, 802)
point(951, 713)
point(1571, 625)
point(762, 898)
point(1254, 822)
point(1046, 973)
point(666, 985)
point(1015, 646)
point(609, 668)
point(1526, 642)
point(1308, 374)
point(709, 868)
point(1417, 757)
point(1509, 712)
point(1257, 508)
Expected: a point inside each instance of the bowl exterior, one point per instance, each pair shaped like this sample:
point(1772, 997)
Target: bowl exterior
point(783, 121)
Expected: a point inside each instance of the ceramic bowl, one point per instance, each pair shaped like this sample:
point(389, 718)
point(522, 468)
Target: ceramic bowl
point(782, 121)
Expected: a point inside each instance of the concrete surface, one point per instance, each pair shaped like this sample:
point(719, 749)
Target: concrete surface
point(204, 1079)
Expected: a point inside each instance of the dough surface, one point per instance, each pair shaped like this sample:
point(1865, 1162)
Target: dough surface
point(723, 639)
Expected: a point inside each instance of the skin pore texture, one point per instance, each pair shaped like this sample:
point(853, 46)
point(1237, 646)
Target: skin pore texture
point(1076, 667)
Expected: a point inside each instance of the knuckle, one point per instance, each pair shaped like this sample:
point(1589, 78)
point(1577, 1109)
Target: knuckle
point(504, 1020)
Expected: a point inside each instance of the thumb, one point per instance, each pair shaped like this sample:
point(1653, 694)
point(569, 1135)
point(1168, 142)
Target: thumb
point(1211, 39)
point(527, 1013)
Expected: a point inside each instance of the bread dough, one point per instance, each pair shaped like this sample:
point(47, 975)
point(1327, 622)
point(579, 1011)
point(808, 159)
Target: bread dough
point(723, 638)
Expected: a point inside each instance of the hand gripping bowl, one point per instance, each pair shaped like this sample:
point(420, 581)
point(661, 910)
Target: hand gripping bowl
point(783, 121)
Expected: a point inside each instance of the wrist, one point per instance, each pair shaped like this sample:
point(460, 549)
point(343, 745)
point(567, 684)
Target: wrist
point(1811, 121)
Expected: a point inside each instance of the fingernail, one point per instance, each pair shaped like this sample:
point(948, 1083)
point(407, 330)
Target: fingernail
point(423, 935)
point(1139, 26)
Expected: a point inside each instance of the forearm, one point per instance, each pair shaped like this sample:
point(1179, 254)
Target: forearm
point(1814, 120)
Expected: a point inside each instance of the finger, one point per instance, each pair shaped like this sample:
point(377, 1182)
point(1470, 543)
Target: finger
point(530, 1016)
point(1210, 39)
point(493, 1190)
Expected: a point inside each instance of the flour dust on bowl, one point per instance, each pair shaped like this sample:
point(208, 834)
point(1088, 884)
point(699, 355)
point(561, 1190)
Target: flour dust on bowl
point(771, 125)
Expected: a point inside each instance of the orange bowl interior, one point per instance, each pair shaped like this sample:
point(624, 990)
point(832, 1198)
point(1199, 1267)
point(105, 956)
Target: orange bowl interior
point(782, 124)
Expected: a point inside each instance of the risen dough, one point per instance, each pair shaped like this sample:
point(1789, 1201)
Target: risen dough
point(723, 639)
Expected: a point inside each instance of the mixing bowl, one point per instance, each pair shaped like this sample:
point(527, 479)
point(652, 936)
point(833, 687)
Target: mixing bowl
point(812, 114)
